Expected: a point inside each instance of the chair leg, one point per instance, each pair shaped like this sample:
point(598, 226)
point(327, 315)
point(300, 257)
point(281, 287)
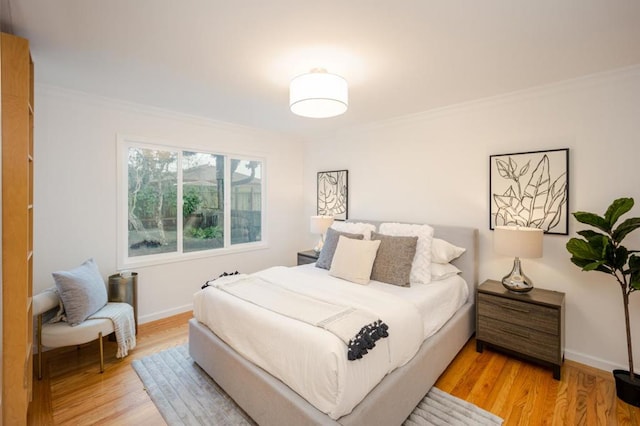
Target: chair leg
point(39, 334)
point(101, 353)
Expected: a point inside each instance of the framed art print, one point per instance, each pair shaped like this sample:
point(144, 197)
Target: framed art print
point(530, 189)
point(333, 194)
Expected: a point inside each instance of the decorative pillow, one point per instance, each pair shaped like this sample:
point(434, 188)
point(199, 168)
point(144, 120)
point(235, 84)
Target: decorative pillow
point(355, 228)
point(421, 267)
point(441, 271)
point(329, 247)
point(444, 252)
point(354, 259)
point(394, 259)
point(81, 290)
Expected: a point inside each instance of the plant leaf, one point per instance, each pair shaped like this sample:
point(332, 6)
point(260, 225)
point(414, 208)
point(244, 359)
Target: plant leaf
point(587, 250)
point(626, 227)
point(634, 271)
point(593, 265)
point(504, 201)
point(555, 200)
point(588, 234)
point(503, 169)
point(536, 191)
point(509, 208)
point(524, 169)
point(617, 209)
point(584, 263)
point(593, 220)
point(608, 252)
point(620, 258)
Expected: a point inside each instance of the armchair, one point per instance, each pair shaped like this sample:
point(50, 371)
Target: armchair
point(60, 334)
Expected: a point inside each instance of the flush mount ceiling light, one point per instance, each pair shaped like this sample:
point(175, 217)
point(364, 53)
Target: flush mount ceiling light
point(318, 94)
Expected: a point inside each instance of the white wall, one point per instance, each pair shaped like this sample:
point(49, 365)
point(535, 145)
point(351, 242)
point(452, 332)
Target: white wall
point(75, 192)
point(434, 167)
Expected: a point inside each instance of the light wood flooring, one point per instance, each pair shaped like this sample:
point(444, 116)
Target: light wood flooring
point(73, 392)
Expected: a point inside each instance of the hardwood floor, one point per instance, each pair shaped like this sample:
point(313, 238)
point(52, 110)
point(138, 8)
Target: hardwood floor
point(526, 394)
point(73, 392)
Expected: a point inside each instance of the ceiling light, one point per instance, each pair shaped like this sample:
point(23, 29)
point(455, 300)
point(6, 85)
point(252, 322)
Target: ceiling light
point(318, 94)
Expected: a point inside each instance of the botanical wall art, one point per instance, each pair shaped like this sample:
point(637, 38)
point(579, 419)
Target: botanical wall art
point(530, 189)
point(333, 194)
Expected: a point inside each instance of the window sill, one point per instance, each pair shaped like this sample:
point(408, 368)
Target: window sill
point(163, 259)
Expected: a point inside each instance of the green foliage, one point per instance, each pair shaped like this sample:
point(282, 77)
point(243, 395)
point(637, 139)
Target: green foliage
point(147, 199)
point(190, 202)
point(602, 251)
point(207, 233)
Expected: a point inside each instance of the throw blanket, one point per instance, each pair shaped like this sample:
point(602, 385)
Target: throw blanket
point(121, 314)
point(357, 328)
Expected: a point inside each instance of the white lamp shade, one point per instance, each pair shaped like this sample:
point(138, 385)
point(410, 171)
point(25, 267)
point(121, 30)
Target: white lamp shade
point(318, 95)
point(518, 241)
point(319, 224)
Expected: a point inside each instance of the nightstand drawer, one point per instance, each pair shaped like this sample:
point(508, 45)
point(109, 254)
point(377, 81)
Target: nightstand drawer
point(524, 340)
point(536, 317)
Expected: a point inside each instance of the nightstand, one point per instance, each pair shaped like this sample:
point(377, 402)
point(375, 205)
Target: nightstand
point(530, 325)
point(308, 256)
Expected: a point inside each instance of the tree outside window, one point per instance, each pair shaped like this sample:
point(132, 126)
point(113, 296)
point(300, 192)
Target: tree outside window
point(158, 225)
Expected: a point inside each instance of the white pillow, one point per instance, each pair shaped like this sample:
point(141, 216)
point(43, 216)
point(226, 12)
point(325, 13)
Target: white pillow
point(355, 228)
point(353, 259)
point(441, 271)
point(444, 252)
point(421, 267)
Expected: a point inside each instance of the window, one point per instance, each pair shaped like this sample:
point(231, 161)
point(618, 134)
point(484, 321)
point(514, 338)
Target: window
point(220, 209)
point(246, 199)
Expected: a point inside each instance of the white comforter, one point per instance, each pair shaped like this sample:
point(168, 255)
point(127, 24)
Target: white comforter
point(310, 360)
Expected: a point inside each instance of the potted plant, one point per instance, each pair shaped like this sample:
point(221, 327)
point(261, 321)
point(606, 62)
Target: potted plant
point(603, 251)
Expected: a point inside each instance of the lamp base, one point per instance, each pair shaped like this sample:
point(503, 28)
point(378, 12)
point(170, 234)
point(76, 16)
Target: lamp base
point(516, 281)
point(318, 247)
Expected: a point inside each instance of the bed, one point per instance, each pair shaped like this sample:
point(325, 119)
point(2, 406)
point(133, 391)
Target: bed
point(270, 402)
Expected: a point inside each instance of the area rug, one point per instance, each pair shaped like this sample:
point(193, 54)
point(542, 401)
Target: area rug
point(186, 395)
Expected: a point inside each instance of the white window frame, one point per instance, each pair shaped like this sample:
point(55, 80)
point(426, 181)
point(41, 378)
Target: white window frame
point(125, 142)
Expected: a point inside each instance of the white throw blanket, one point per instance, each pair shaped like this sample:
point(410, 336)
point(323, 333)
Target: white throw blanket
point(121, 314)
point(357, 328)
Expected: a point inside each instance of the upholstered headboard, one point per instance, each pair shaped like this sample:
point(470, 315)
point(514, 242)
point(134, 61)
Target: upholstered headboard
point(461, 236)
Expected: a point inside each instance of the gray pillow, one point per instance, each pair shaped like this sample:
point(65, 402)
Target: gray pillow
point(329, 247)
point(394, 259)
point(81, 290)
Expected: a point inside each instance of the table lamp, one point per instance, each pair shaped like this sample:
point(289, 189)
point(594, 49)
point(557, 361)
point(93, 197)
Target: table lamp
point(517, 241)
point(319, 225)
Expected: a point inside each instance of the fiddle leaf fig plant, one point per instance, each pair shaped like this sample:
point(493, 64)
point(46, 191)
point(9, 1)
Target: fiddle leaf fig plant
point(602, 250)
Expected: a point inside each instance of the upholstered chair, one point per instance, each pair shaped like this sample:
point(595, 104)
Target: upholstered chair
point(60, 334)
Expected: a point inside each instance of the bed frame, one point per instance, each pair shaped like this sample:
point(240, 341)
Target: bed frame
point(270, 402)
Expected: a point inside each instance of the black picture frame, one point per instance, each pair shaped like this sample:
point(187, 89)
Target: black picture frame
point(530, 189)
point(333, 194)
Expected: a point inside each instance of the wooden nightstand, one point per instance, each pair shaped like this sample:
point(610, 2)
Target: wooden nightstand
point(530, 324)
point(308, 256)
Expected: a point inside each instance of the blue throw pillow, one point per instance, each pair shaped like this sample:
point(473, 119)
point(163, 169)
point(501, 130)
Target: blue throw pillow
point(82, 291)
point(329, 248)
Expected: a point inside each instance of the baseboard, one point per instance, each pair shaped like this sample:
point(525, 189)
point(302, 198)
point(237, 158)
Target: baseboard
point(164, 314)
point(601, 364)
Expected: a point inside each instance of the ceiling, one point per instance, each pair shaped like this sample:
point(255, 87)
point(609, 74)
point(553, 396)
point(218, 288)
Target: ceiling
point(232, 60)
